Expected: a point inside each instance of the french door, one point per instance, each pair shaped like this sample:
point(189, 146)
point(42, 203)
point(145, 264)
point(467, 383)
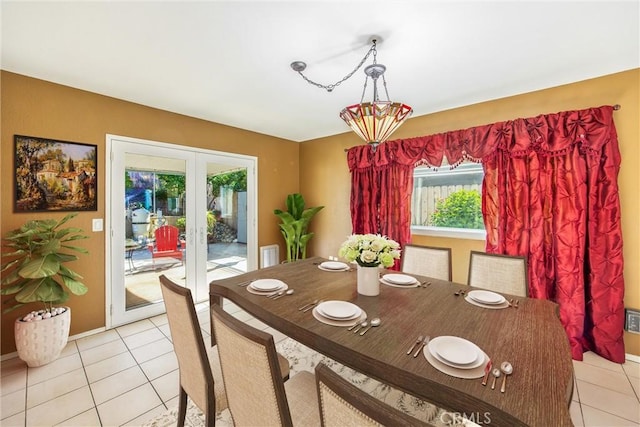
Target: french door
point(151, 185)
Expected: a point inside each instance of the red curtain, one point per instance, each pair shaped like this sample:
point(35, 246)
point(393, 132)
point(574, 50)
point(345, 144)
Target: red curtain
point(381, 186)
point(550, 193)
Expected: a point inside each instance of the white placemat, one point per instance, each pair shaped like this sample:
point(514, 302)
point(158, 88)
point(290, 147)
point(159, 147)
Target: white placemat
point(343, 323)
point(491, 306)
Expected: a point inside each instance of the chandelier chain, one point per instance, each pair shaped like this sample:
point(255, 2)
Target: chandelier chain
point(330, 87)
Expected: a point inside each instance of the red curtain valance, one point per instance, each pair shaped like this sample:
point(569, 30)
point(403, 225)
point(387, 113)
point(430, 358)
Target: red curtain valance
point(548, 134)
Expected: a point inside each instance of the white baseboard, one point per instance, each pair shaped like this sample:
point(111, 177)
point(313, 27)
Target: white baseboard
point(632, 358)
point(71, 338)
point(87, 334)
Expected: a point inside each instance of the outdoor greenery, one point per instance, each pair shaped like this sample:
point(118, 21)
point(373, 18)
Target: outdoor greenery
point(295, 222)
point(173, 185)
point(181, 222)
point(169, 185)
point(36, 272)
point(462, 209)
point(237, 181)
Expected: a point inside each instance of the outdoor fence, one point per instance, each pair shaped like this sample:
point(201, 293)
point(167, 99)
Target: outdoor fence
point(425, 198)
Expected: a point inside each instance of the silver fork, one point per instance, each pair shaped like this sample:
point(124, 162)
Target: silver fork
point(311, 306)
point(312, 303)
point(424, 342)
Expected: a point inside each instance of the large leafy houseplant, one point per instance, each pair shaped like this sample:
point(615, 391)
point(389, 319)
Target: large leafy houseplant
point(294, 225)
point(36, 270)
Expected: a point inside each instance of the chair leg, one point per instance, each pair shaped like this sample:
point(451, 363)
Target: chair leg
point(210, 412)
point(182, 407)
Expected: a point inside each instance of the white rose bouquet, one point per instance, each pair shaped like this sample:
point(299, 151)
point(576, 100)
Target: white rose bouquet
point(370, 250)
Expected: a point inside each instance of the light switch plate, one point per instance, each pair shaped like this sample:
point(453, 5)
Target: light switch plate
point(97, 224)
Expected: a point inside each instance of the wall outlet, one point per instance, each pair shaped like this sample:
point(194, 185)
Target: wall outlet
point(632, 320)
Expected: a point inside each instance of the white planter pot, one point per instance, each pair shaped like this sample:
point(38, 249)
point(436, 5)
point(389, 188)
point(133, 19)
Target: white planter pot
point(41, 341)
point(368, 281)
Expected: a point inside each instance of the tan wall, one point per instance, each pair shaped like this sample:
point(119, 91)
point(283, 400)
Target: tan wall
point(38, 108)
point(324, 176)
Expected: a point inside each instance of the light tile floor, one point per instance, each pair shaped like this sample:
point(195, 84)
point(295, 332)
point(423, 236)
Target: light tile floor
point(128, 375)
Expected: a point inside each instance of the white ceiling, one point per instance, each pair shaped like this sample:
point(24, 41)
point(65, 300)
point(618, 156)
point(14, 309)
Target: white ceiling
point(228, 61)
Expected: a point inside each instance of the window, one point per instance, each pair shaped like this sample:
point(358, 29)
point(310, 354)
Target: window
point(447, 202)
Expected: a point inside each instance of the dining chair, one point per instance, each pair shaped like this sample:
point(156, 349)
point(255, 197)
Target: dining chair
point(343, 404)
point(199, 369)
point(427, 261)
point(253, 381)
point(198, 364)
point(500, 273)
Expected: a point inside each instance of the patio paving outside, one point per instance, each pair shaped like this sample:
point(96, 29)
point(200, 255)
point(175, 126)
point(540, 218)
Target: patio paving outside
point(141, 272)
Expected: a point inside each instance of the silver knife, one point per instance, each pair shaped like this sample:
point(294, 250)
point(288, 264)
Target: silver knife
point(418, 341)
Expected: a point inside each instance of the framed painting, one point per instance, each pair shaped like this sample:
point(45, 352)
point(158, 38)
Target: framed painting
point(54, 175)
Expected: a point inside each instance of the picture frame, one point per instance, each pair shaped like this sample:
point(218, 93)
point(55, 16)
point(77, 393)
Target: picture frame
point(54, 175)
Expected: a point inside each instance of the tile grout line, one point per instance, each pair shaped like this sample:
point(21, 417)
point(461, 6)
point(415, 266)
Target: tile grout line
point(607, 412)
point(149, 381)
point(93, 398)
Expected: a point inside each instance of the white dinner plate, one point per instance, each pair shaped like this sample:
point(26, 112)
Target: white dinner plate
point(339, 310)
point(473, 365)
point(334, 265)
point(486, 297)
point(412, 285)
point(399, 279)
point(477, 372)
point(266, 285)
point(456, 351)
point(343, 323)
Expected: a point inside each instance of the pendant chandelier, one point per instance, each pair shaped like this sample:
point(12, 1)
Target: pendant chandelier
point(372, 121)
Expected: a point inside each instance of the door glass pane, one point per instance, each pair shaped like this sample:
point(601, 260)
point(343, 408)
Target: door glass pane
point(155, 224)
point(226, 223)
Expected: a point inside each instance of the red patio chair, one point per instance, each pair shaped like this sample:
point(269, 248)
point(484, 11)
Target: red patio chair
point(167, 244)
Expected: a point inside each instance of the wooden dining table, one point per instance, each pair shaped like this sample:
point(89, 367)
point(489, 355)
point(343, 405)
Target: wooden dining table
point(530, 337)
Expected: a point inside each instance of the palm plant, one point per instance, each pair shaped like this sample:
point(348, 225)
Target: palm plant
point(295, 221)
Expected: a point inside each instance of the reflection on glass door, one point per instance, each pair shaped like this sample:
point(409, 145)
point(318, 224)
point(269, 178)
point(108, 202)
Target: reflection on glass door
point(225, 207)
point(155, 227)
point(149, 205)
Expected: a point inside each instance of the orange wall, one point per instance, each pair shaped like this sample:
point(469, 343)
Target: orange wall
point(324, 176)
point(38, 108)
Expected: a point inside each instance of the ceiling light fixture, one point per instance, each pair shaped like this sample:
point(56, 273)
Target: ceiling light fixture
point(372, 121)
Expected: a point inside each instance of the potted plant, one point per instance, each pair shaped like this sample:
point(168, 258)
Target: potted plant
point(36, 273)
point(295, 222)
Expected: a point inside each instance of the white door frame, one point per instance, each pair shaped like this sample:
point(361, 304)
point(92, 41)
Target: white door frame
point(115, 203)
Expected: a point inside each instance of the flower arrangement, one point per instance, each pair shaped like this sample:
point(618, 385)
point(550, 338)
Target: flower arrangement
point(370, 250)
